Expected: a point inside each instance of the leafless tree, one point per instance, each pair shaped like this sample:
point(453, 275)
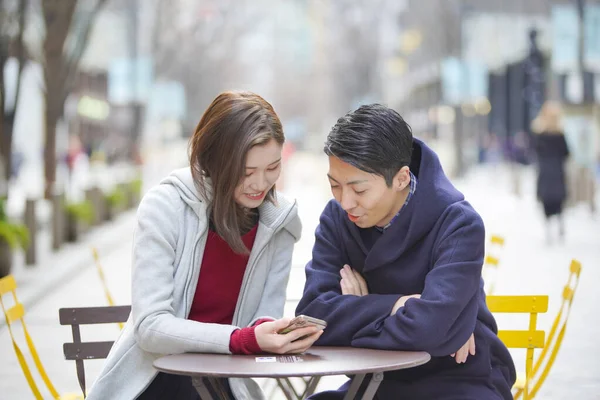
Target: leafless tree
point(12, 27)
point(349, 56)
point(198, 44)
point(68, 27)
point(212, 48)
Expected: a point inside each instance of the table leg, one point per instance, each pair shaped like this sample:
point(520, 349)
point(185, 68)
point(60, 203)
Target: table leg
point(373, 386)
point(218, 388)
point(311, 386)
point(286, 387)
point(354, 386)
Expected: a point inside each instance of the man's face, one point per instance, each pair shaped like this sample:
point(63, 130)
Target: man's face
point(365, 196)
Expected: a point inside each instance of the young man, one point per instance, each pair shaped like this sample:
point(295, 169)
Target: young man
point(397, 264)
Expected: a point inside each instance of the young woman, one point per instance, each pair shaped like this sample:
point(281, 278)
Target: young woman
point(552, 151)
point(211, 258)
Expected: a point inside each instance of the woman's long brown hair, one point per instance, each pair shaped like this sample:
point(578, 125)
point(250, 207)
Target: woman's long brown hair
point(232, 124)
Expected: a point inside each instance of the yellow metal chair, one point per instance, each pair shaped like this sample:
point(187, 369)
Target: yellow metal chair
point(100, 270)
point(17, 313)
point(529, 339)
point(491, 263)
point(554, 341)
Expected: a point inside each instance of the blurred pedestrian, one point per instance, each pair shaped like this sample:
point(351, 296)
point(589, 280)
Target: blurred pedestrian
point(78, 164)
point(552, 151)
point(211, 259)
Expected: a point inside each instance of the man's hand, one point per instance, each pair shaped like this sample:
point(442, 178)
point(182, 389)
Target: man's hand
point(352, 282)
point(468, 348)
point(400, 302)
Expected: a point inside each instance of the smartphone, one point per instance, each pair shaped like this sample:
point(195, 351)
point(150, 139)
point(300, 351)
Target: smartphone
point(302, 321)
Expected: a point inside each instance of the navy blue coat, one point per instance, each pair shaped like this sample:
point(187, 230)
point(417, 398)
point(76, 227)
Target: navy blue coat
point(434, 248)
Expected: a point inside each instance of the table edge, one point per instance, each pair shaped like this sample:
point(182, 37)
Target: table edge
point(413, 364)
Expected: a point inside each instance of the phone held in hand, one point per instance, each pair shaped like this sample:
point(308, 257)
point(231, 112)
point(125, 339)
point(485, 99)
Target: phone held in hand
point(302, 321)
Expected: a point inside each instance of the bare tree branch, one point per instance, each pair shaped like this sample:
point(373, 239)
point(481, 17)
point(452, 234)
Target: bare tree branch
point(10, 46)
point(20, 47)
point(73, 59)
point(59, 70)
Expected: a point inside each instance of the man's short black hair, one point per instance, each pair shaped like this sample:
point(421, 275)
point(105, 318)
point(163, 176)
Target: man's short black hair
point(374, 139)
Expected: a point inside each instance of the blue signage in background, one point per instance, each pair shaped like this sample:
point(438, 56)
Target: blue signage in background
point(592, 37)
point(463, 81)
point(565, 37)
point(129, 80)
point(452, 80)
point(477, 80)
point(167, 100)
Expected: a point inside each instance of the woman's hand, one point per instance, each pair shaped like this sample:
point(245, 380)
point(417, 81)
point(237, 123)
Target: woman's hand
point(352, 282)
point(468, 348)
point(296, 341)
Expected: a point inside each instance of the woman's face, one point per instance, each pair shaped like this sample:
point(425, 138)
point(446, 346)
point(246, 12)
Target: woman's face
point(263, 166)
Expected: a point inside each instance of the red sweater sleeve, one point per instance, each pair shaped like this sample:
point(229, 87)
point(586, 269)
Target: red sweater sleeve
point(243, 341)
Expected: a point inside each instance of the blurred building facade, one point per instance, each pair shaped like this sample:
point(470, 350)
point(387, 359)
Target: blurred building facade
point(470, 75)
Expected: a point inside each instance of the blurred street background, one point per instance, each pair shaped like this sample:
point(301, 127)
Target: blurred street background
point(99, 98)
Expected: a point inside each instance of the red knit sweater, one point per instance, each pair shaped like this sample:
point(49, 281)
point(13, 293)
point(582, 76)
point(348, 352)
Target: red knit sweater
point(219, 284)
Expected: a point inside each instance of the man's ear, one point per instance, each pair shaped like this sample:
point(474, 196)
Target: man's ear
point(401, 179)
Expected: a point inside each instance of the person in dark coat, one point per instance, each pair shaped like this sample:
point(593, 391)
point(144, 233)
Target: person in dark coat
point(397, 263)
point(552, 151)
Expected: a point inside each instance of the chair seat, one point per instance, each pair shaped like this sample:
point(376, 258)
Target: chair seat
point(520, 382)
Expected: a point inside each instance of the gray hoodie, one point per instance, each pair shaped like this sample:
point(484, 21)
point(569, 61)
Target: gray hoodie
point(168, 245)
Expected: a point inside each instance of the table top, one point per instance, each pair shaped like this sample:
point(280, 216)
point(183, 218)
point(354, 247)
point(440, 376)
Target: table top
point(317, 361)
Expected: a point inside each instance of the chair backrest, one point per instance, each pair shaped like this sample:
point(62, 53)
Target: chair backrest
point(491, 262)
point(554, 341)
point(78, 350)
point(12, 315)
point(528, 339)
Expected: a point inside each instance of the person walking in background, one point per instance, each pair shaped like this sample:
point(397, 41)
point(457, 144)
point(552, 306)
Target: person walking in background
point(212, 255)
point(552, 151)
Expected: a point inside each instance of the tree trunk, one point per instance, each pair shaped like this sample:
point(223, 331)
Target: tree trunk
point(4, 173)
point(51, 119)
point(5, 258)
point(6, 144)
point(6, 135)
point(7, 119)
point(59, 70)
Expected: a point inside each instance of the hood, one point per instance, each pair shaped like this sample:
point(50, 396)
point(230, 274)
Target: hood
point(284, 214)
point(433, 195)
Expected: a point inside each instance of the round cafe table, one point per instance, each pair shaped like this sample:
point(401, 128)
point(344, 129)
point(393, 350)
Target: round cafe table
point(315, 363)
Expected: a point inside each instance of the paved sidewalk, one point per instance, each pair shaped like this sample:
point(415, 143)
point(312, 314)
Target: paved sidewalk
point(529, 265)
point(72, 258)
point(80, 288)
point(56, 268)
